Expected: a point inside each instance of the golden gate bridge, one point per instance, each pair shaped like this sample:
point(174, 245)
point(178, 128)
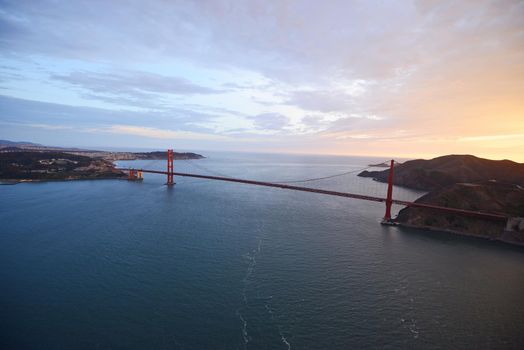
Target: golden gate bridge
point(137, 174)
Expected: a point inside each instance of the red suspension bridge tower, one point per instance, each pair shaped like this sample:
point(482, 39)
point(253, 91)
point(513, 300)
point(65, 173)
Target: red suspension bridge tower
point(170, 167)
point(389, 198)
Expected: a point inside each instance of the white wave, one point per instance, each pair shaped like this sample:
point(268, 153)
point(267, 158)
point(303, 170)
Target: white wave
point(284, 340)
point(251, 257)
point(245, 335)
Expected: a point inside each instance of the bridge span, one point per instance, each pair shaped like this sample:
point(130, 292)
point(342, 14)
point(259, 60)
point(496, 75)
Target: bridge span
point(135, 174)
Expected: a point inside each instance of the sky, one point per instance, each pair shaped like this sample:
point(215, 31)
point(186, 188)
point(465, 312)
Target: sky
point(413, 79)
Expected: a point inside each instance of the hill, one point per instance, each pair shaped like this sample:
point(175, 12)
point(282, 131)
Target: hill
point(19, 144)
point(52, 165)
point(113, 156)
point(463, 182)
point(22, 146)
point(447, 170)
point(493, 197)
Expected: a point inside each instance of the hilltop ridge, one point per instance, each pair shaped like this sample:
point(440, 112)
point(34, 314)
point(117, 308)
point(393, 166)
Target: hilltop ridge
point(27, 161)
point(432, 174)
point(23, 146)
point(53, 165)
point(462, 182)
point(493, 197)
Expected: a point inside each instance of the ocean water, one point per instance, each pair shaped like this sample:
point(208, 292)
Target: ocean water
point(112, 264)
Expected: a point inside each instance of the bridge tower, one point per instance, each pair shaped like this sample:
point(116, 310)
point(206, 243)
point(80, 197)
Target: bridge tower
point(170, 167)
point(389, 199)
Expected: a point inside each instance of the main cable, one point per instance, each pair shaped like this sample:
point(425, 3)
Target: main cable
point(201, 167)
point(329, 176)
point(322, 178)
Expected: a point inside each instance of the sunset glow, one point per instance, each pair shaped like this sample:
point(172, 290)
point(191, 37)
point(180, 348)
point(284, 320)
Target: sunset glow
point(382, 78)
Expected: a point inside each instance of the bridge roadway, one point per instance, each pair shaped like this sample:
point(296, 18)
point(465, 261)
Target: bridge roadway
point(484, 215)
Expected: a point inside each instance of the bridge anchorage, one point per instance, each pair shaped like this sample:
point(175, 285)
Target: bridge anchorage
point(136, 175)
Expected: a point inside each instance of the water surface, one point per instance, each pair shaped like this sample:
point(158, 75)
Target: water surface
point(112, 264)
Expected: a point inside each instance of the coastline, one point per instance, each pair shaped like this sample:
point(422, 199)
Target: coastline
point(461, 233)
point(7, 182)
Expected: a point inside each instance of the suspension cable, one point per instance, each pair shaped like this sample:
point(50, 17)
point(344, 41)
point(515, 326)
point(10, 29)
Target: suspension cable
point(201, 167)
point(329, 176)
point(322, 178)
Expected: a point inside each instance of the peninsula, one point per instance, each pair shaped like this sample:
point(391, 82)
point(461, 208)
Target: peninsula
point(463, 182)
point(51, 165)
point(26, 161)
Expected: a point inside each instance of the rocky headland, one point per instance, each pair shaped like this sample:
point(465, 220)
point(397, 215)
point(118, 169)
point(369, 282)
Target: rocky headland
point(463, 182)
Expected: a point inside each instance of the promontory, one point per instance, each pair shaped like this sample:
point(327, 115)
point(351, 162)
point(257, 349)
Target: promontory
point(463, 182)
point(32, 162)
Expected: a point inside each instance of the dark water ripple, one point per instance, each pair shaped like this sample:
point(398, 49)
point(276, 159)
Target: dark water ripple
point(209, 265)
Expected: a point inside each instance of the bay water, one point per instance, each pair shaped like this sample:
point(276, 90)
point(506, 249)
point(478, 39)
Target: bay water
point(113, 264)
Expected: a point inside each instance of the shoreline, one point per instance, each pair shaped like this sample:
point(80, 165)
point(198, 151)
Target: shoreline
point(460, 233)
point(7, 182)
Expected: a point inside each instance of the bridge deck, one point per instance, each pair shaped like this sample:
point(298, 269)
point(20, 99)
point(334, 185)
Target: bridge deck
point(492, 216)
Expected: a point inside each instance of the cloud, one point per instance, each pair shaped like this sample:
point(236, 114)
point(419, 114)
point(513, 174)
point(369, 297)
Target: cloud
point(133, 130)
point(27, 111)
point(434, 70)
point(292, 41)
point(131, 87)
point(39, 126)
point(322, 101)
point(158, 133)
point(314, 122)
point(492, 137)
point(270, 121)
point(358, 122)
point(9, 73)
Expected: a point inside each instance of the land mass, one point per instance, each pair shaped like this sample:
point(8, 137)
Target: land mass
point(382, 165)
point(463, 182)
point(20, 146)
point(114, 156)
point(26, 161)
point(52, 165)
point(429, 175)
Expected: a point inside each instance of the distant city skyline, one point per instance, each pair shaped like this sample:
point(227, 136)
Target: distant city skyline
point(371, 78)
